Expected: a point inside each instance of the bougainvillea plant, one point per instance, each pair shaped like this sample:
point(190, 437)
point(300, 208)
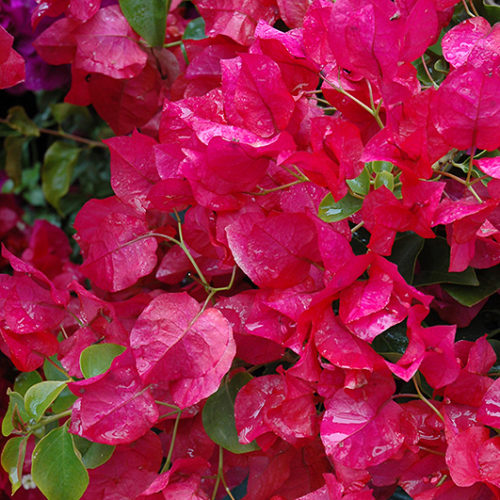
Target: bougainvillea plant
point(292, 292)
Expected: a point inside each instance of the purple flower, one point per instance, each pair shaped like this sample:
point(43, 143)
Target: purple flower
point(15, 17)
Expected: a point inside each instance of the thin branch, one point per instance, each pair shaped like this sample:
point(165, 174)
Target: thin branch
point(425, 400)
point(65, 135)
point(371, 111)
point(428, 73)
point(466, 7)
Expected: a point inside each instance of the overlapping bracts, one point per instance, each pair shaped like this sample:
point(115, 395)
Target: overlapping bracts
point(211, 260)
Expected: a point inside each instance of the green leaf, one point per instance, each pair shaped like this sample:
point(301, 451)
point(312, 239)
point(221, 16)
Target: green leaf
point(386, 179)
point(57, 468)
point(51, 372)
point(25, 380)
point(361, 184)
point(195, 30)
point(13, 455)
point(40, 396)
point(404, 254)
point(57, 171)
point(64, 401)
point(381, 166)
point(489, 283)
point(62, 111)
point(436, 48)
point(492, 10)
point(148, 18)
point(333, 211)
point(496, 347)
point(93, 454)
point(441, 66)
point(18, 120)
point(434, 261)
point(97, 358)
point(13, 147)
point(15, 415)
point(218, 416)
point(393, 341)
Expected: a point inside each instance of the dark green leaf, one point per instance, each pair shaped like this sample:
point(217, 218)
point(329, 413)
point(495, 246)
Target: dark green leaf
point(73, 118)
point(361, 184)
point(441, 66)
point(40, 396)
point(15, 415)
point(404, 254)
point(195, 30)
point(218, 416)
point(51, 372)
point(25, 380)
point(93, 454)
point(62, 111)
point(492, 10)
point(436, 48)
point(57, 468)
point(496, 347)
point(393, 341)
point(148, 18)
point(97, 359)
point(333, 211)
point(18, 120)
point(13, 146)
point(434, 261)
point(13, 455)
point(64, 401)
point(489, 283)
point(57, 171)
point(399, 494)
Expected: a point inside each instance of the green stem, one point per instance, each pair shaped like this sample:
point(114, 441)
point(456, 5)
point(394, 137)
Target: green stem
point(204, 282)
point(428, 73)
point(470, 169)
point(442, 480)
point(425, 400)
point(229, 285)
point(166, 466)
point(52, 418)
point(357, 226)
point(168, 405)
point(473, 191)
point(466, 7)
point(263, 192)
point(220, 477)
point(173, 44)
point(405, 395)
point(368, 109)
point(430, 450)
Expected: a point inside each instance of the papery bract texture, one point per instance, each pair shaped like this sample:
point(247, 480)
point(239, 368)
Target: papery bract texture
point(275, 403)
point(131, 469)
point(12, 69)
point(115, 407)
point(109, 234)
point(133, 171)
point(106, 44)
point(182, 348)
point(467, 108)
point(236, 19)
point(287, 244)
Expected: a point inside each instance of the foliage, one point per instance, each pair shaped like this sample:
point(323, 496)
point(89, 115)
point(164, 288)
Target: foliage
point(287, 287)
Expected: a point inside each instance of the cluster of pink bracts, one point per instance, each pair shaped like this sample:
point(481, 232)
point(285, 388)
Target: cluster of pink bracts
point(211, 260)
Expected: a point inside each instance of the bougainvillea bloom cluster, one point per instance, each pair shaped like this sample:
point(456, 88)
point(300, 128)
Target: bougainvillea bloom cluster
point(277, 186)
